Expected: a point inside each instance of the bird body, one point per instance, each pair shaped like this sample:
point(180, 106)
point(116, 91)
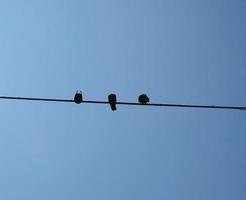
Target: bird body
point(78, 98)
point(143, 99)
point(112, 101)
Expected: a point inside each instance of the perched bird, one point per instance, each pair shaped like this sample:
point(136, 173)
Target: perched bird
point(112, 101)
point(143, 99)
point(78, 98)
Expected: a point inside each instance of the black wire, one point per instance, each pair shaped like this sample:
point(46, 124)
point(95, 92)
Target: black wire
point(171, 105)
point(36, 99)
point(127, 103)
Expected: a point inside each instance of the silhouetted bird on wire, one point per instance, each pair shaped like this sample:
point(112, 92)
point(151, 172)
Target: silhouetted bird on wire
point(143, 99)
point(78, 98)
point(112, 101)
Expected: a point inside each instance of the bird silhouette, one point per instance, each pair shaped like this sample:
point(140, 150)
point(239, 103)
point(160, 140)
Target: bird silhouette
point(78, 98)
point(112, 101)
point(143, 99)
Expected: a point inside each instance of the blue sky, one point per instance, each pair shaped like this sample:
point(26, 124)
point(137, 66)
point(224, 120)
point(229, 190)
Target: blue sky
point(175, 51)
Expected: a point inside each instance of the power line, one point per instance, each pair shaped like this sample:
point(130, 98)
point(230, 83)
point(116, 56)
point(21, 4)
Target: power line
point(124, 103)
point(35, 99)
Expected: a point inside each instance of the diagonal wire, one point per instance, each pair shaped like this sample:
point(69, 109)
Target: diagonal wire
point(127, 103)
point(36, 99)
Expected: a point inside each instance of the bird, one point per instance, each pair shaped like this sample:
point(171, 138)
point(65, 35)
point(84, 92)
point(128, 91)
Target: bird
point(112, 101)
point(78, 98)
point(143, 99)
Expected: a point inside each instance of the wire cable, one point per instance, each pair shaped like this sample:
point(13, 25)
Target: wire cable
point(126, 103)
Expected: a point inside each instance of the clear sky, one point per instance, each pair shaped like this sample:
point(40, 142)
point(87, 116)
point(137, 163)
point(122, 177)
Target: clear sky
point(176, 51)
